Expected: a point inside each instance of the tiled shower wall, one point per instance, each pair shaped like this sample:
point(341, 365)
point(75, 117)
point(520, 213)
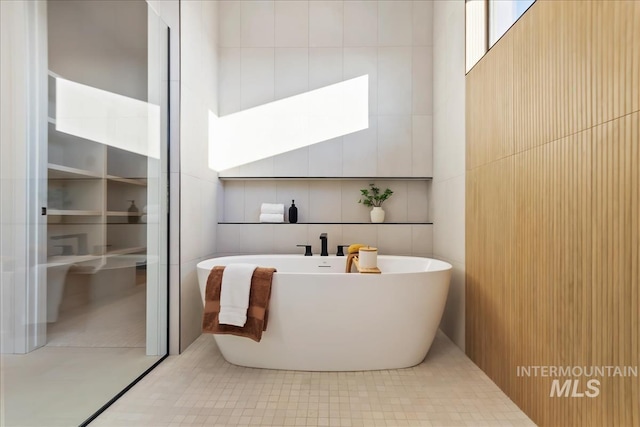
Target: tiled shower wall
point(395, 239)
point(448, 186)
point(275, 49)
point(198, 184)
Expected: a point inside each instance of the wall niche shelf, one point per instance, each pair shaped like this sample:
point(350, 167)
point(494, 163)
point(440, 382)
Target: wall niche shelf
point(324, 178)
point(329, 223)
point(408, 207)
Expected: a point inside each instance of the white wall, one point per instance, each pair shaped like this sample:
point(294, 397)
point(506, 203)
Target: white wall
point(198, 183)
point(448, 202)
point(270, 50)
point(23, 188)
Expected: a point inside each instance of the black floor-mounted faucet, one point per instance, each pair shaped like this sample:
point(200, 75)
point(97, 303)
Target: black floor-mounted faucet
point(323, 240)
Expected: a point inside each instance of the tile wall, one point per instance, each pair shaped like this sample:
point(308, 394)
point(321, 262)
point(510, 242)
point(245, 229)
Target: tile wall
point(275, 49)
point(198, 184)
point(271, 50)
point(448, 186)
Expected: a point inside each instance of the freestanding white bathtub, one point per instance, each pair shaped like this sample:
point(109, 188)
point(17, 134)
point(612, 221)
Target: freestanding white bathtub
point(323, 319)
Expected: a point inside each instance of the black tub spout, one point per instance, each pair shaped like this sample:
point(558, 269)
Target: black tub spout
point(323, 241)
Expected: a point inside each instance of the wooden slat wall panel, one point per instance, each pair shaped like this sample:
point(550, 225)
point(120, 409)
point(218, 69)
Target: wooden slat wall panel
point(490, 218)
point(553, 74)
point(493, 76)
point(553, 207)
point(614, 36)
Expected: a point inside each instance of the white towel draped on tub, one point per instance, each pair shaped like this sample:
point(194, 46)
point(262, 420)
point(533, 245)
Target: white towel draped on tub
point(234, 293)
point(271, 218)
point(272, 208)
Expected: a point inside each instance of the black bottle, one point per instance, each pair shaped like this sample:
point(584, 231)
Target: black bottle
point(133, 213)
point(293, 213)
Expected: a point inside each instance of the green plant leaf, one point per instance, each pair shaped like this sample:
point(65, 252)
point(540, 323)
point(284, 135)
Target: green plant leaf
point(373, 197)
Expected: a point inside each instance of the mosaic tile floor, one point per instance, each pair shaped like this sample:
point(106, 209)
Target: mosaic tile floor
point(199, 388)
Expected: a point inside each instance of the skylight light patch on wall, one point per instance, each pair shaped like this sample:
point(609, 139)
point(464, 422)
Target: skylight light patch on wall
point(107, 118)
point(287, 124)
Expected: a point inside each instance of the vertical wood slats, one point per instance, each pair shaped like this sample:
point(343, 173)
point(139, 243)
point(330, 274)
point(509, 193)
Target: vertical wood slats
point(553, 207)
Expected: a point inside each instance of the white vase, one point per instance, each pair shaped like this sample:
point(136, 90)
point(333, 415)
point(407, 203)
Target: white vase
point(377, 214)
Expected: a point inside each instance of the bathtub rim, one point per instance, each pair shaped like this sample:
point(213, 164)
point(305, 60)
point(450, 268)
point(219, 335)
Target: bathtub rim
point(439, 264)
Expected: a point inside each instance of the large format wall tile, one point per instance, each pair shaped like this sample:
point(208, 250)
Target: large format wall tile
point(257, 77)
point(395, 23)
point(292, 23)
point(257, 29)
point(325, 23)
point(361, 23)
point(230, 23)
point(359, 149)
point(394, 145)
point(291, 71)
point(395, 80)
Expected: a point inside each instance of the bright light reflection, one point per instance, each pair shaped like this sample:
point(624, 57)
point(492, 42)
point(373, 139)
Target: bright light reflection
point(288, 124)
point(108, 118)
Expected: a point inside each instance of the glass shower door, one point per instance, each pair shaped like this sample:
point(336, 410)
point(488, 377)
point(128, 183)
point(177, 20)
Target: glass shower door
point(99, 320)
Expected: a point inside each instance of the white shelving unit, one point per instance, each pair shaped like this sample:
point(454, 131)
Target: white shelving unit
point(90, 186)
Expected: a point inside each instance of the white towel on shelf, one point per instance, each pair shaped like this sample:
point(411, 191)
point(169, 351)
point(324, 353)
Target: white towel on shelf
point(272, 208)
point(271, 217)
point(234, 293)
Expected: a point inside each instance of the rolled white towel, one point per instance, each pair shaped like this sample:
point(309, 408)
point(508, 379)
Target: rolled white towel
point(271, 217)
point(272, 208)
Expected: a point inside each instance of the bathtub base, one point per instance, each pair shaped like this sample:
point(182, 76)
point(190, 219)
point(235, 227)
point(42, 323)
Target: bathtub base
point(238, 351)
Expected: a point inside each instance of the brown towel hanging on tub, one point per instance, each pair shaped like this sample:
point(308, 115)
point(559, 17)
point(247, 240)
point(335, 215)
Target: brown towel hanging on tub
point(257, 313)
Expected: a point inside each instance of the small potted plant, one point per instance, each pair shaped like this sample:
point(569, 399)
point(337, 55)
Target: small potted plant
point(373, 198)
